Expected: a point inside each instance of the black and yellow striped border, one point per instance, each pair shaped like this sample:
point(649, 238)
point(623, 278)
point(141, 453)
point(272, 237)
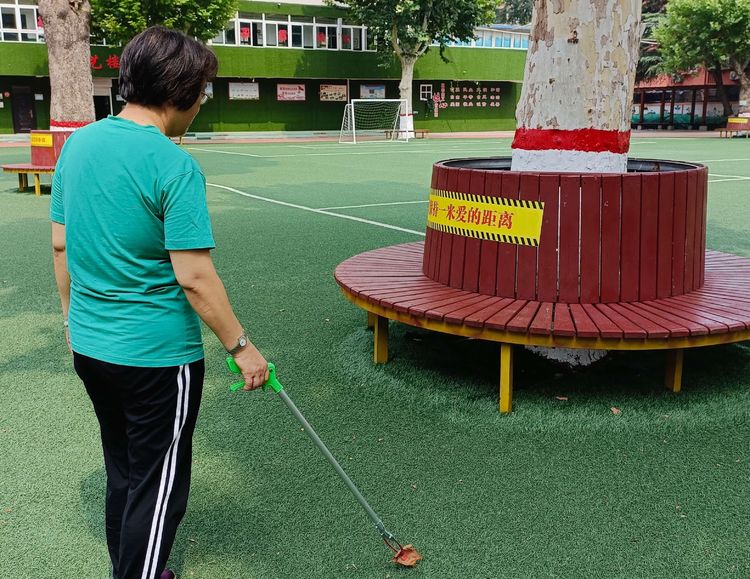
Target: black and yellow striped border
point(484, 235)
point(503, 201)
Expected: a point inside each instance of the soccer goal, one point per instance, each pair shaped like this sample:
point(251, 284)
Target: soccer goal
point(375, 119)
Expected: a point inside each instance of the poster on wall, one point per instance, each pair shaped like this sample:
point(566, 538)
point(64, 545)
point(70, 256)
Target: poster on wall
point(333, 93)
point(290, 92)
point(372, 91)
point(243, 91)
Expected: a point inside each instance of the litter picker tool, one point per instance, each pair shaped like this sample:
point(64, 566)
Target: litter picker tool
point(405, 555)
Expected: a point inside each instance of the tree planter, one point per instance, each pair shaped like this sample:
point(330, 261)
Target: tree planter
point(603, 238)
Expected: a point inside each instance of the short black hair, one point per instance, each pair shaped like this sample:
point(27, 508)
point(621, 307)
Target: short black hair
point(161, 66)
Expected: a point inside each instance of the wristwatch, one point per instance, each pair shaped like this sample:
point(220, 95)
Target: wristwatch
point(241, 343)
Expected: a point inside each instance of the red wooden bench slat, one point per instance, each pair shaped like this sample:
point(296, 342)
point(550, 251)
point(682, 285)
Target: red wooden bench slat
point(652, 329)
point(699, 250)
point(570, 200)
point(439, 311)
point(657, 200)
point(430, 237)
point(563, 322)
point(459, 316)
point(631, 239)
point(607, 328)
point(478, 318)
point(723, 310)
point(527, 255)
point(522, 320)
point(611, 221)
point(676, 325)
point(690, 230)
point(506, 254)
point(455, 299)
point(678, 234)
point(629, 328)
point(488, 248)
point(446, 247)
point(473, 246)
point(585, 328)
point(664, 243)
point(673, 329)
point(499, 321)
point(458, 251)
point(591, 239)
point(686, 316)
point(549, 186)
point(711, 313)
point(442, 240)
point(403, 303)
point(389, 298)
point(542, 322)
point(704, 225)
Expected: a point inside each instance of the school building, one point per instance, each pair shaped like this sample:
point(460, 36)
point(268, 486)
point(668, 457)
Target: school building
point(287, 66)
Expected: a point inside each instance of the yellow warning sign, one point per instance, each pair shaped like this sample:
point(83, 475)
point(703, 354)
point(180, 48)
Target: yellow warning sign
point(483, 217)
point(41, 139)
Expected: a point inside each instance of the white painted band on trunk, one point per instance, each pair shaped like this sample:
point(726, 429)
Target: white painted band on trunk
point(569, 161)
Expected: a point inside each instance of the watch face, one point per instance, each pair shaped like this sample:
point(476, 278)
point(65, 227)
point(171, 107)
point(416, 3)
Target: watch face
point(243, 342)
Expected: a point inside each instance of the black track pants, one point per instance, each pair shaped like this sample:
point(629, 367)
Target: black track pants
point(147, 417)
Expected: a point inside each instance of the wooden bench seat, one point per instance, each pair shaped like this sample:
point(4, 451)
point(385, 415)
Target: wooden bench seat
point(24, 170)
point(389, 284)
point(418, 133)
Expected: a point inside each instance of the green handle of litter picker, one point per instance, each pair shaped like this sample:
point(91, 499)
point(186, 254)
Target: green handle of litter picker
point(272, 382)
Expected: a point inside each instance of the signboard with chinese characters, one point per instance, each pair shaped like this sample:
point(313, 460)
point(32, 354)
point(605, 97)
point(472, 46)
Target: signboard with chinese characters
point(333, 93)
point(476, 95)
point(372, 91)
point(290, 92)
point(244, 91)
point(485, 217)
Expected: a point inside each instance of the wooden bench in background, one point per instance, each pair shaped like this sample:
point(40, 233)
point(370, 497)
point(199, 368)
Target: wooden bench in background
point(418, 133)
point(24, 170)
point(736, 125)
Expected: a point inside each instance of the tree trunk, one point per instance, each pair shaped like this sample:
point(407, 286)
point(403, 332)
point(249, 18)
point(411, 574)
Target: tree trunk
point(574, 113)
point(407, 78)
point(721, 90)
point(575, 107)
point(66, 32)
point(739, 70)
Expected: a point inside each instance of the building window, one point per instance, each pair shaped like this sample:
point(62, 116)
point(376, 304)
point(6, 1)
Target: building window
point(20, 23)
point(425, 92)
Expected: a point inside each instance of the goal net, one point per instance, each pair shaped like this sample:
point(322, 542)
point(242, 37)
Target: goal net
point(375, 119)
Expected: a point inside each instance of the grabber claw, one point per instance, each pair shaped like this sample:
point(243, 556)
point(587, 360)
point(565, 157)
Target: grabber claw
point(405, 555)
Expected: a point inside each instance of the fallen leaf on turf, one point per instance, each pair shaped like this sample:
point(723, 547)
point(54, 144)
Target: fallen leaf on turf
point(407, 556)
point(561, 398)
point(616, 410)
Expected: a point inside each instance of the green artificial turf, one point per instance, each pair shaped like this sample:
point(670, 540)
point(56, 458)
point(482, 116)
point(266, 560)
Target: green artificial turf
point(563, 487)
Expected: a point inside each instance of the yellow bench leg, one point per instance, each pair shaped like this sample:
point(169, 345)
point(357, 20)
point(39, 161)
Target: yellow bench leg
point(37, 185)
point(381, 340)
point(371, 320)
point(506, 378)
point(23, 181)
point(673, 376)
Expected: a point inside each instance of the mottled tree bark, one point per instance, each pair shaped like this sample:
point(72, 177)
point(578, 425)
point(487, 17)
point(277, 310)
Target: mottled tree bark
point(66, 32)
point(580, 72)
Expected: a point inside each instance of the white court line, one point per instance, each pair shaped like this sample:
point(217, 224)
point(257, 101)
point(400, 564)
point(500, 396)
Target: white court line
point(398, 152)
point(313, 210)
point(725, 180)
point(738, 177)
point(373, 205)
point(718, 160)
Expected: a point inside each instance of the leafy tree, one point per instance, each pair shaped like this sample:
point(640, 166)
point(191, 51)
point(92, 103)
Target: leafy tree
point(650, 61)
point(708, 33)
point(119, 20)
point(515, 11)
point(407, 28)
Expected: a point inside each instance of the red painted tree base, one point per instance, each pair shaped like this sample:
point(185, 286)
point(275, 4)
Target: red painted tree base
point(389, 284)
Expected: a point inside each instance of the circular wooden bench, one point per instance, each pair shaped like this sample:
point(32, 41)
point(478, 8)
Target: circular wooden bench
point(619, 263)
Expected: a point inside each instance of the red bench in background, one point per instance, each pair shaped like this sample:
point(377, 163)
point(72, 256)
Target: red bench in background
point(45, 150)
point(736, 125)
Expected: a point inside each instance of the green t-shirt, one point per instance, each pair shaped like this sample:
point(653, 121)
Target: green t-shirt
point(127, 195)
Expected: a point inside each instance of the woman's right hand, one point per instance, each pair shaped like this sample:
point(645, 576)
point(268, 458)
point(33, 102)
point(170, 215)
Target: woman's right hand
point(253, 366)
